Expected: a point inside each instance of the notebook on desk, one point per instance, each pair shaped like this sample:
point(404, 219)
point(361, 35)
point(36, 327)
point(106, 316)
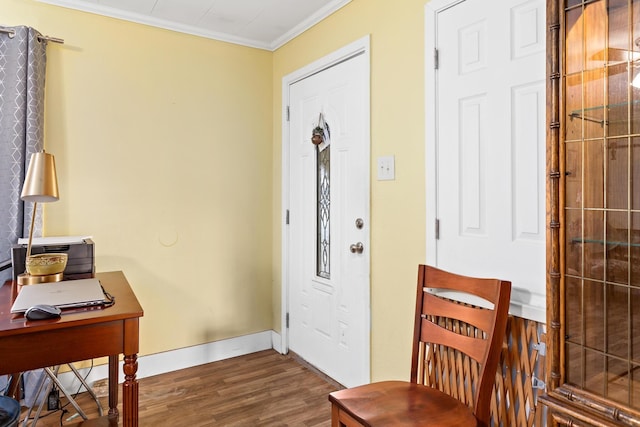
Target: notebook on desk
point(65, 294)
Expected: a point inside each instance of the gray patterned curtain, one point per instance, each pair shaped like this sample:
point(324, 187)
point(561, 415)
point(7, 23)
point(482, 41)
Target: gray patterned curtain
point(22, 73)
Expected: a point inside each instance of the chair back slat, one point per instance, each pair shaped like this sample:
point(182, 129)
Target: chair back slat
point(437, 306)
point(457, 346)
point(487, 289)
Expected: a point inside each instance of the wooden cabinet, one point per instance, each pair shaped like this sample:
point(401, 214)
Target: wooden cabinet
point(593, 198)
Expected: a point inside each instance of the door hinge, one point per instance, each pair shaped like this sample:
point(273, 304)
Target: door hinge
point(288, 113)
point(437, 229)
point(286, 217)
point(287, 320)
point(435, 58)
point(541, 347)
point(537, 383)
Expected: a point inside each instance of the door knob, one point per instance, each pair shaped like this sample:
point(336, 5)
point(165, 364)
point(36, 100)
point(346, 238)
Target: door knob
point(356, 248)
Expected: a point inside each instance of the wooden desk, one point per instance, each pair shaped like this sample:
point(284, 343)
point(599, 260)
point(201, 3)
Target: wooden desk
point(78, 335)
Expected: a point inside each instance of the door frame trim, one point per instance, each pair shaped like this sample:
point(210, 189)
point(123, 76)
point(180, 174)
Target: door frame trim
point(431, 11)
point(358, 47)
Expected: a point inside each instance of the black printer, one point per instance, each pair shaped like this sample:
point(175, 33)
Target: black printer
point(80, 254)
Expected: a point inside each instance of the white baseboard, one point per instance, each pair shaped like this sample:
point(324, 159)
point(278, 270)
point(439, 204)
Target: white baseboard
point(276, 342)
point(160, 363)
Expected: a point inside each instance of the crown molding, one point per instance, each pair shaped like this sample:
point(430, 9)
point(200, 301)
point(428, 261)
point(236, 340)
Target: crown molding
point(98, 9)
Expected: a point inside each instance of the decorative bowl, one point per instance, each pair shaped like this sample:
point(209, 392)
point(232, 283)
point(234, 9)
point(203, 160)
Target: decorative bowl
point(45, 264)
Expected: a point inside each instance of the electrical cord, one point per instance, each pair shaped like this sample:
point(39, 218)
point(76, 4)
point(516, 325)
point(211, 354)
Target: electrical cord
point(63, 408)
point(75, 395)
point(110, 299)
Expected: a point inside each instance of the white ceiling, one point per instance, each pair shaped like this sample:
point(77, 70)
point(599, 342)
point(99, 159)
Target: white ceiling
point(264, 24)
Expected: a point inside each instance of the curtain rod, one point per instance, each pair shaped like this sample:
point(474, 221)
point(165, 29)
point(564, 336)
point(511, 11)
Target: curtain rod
point(12, 33)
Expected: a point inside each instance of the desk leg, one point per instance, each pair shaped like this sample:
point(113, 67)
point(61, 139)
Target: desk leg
point(113, 386)
point(130, 391)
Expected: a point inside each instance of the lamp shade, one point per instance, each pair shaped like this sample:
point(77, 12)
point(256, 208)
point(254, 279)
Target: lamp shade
point(41, 182)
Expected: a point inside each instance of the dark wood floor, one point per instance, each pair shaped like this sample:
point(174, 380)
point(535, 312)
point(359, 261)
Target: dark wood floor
point(260, 389)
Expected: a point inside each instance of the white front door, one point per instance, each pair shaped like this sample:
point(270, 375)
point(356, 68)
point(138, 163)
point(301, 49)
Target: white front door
point(328, 214)
point(489, 145)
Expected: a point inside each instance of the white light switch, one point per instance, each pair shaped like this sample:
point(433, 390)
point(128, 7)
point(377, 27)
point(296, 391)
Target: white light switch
point(386, 168)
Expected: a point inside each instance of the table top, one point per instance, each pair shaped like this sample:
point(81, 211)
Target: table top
point(126, 307)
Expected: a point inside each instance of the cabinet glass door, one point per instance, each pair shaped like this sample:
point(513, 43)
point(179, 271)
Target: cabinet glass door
point(602, 198)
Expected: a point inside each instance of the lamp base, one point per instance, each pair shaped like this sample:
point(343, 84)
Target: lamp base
point(28, 279)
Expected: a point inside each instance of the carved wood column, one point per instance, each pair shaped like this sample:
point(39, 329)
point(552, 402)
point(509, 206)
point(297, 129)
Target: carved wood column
point(554, 311)
point(130, 391)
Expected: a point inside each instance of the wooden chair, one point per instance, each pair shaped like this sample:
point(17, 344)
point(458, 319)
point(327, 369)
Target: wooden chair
point(446, 388)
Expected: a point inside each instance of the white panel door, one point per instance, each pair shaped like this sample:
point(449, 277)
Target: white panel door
point(329, 284)
point(490, 145)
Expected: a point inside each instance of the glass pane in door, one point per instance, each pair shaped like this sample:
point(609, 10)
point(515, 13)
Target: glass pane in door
point(323, 260)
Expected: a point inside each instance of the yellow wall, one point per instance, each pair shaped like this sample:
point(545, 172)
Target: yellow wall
point(168, 153)
point(397, 128)
point(162, 143)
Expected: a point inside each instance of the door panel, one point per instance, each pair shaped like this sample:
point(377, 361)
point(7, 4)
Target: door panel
point(328, 316)
point(490, 145)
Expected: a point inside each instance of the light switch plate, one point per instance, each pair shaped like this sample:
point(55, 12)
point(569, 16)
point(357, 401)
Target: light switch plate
point(386, 168)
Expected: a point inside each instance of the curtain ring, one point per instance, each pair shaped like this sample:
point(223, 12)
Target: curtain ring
point(8, 31)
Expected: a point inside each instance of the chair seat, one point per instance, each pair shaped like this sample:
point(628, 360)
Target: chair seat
point(398, 403)
point(9, 411)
